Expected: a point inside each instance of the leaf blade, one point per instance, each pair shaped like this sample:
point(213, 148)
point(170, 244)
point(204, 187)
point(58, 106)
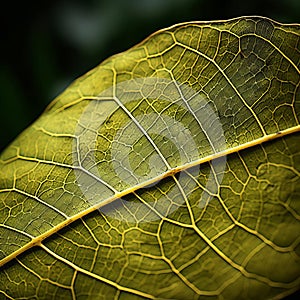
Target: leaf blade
point(47, 172)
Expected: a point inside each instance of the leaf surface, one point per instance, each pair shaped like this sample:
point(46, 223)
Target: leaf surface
point(170, 171)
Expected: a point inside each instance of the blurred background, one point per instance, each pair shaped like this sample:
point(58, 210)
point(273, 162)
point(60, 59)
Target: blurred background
point(45, 45)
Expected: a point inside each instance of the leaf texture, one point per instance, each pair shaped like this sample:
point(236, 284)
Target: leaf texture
point(170, 171)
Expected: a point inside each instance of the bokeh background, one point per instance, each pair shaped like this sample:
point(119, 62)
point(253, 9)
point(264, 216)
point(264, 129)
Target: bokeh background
point(45, 45)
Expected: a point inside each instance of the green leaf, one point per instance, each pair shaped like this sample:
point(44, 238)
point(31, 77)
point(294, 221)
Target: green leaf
point(170, 171)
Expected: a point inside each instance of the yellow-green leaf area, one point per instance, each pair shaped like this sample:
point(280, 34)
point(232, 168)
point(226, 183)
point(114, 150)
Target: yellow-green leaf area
point(169, 171)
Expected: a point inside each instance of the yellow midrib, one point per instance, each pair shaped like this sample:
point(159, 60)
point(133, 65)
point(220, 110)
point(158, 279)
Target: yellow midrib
point(38, 240)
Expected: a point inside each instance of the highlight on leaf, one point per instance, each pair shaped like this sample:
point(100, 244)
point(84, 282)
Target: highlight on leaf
point(169, 171)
